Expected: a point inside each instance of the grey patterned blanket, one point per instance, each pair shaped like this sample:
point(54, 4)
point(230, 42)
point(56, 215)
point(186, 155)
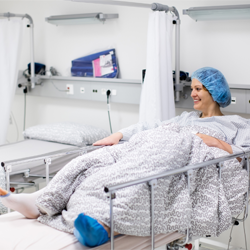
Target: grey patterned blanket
point(78, 187)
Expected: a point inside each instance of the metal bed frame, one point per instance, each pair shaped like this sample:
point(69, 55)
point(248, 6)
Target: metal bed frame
point(151, 180)
point(46, 159)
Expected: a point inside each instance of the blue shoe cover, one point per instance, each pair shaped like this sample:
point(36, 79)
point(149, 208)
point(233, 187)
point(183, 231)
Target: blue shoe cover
point(89, 232)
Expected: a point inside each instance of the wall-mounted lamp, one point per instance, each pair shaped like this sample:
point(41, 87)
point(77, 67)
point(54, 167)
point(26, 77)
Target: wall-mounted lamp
point(80, 18)
point(226, 12)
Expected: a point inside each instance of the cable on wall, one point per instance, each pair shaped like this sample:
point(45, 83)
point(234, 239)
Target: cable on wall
point(17, 132)
point(61, 90)
point(54, 72)
point(25, 90)
point(108, 104)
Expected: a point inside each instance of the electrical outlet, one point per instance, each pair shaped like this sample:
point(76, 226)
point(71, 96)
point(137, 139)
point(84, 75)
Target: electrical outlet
point(233, 100)
point(103, 91)
point(70, 89)
point(82, 90)
point(113, 92)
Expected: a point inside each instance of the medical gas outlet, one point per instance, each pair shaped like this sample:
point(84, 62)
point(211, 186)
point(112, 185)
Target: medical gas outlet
point(104, 92)
point(70, 89)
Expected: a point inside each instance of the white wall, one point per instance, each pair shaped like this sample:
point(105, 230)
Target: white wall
point(220, 44)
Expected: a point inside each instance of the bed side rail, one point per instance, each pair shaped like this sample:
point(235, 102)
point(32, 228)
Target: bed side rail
point(55, 154)
point(46, 158)
point(152, 182)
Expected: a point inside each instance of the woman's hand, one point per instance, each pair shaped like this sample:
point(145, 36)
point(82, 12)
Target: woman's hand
point(208, 140)
point(110, 140)
point(213, 142)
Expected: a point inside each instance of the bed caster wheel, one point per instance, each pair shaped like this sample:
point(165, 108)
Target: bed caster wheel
point(173, 247)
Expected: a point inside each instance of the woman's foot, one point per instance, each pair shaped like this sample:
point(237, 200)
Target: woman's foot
point(91, 232)
point(22, 203)
point(3, 192)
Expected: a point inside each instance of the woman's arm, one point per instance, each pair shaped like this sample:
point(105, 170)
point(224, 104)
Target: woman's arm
point(214, 142)
point(110, 140)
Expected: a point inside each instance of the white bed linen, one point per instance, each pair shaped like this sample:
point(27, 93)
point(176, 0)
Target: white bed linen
point(33, 148)
point(20, 233)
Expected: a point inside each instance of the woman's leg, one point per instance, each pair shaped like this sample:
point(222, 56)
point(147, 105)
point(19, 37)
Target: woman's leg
point(22, 203)
point(58, 192)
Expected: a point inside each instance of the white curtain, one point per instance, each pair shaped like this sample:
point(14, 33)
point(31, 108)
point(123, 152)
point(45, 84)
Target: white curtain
point(157, 97)
point(10, 44)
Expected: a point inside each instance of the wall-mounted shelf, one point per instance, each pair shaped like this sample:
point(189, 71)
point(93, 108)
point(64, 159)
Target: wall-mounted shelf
point(85, 88)
point(88, 79)
point(127, 91)
point(227, 12)
point(80, 18)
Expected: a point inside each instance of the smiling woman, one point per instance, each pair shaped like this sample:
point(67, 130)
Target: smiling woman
point(210, 91)
point(203, 100)
point(74, 200)
point(215, 83)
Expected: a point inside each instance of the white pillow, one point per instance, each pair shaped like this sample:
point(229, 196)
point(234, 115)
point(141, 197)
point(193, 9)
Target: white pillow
point(67, 133)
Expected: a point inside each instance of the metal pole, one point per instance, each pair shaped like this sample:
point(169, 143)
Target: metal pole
point(189, 176)
point(47, 162)
point(111, 197)
point(152, 184)
point(32, 60)
point(246, 214)
point(171, 172)
point(220, 166)
point(177, 58)
point(119, 3)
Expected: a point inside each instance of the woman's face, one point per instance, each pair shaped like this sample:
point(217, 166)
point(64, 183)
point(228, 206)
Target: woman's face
point(202, 98)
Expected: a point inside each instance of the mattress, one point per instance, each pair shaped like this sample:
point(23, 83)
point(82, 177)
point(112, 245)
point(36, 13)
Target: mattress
point(35, 148)
point(20, 233)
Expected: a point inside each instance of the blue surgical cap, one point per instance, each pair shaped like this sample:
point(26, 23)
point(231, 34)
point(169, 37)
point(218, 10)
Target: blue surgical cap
point(215, 83)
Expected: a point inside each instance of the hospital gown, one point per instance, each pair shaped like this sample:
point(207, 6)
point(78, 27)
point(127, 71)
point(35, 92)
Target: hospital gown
point(236, 129)
point(78, 187)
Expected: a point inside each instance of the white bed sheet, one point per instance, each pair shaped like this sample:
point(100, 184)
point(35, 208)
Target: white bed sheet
point(35, 148)
point(20, 233)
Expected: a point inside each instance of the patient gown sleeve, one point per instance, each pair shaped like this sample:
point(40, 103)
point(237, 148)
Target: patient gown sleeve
point(141, 126)
point(242, 141)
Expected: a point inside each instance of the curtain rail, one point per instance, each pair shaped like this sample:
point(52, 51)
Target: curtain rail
point(32, 61)
point(154, 7)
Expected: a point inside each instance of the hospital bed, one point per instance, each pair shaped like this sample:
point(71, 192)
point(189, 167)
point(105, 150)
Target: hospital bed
point(45, 150)
point(34, 235)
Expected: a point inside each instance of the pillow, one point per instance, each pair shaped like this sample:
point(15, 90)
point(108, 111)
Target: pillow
point(66, 132)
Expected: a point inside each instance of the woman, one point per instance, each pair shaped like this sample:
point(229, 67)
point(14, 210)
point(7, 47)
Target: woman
point(210, 91)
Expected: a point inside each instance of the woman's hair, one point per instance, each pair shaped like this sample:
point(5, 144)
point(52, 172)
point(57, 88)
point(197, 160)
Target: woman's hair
point(206, 89)
point(215, 83)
